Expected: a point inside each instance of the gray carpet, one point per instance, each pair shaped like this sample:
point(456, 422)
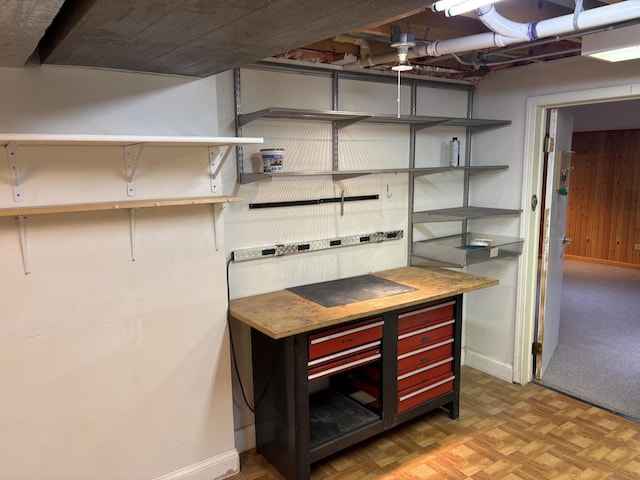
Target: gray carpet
point(598, 354)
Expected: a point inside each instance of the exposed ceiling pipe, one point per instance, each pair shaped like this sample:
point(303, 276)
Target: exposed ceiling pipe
point(519, 32)
point(507, 32)
point(365, 51)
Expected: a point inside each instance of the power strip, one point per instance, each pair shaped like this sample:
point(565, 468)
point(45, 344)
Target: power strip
point(314, 245)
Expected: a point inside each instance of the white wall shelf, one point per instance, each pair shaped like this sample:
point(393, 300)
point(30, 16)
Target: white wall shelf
point(125, 205)
point(215, 159)
point(37, 139)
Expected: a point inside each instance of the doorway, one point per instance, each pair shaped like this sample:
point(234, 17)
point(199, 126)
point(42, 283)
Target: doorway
point(535, 128)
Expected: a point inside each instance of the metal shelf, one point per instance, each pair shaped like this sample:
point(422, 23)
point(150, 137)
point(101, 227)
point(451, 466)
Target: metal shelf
point(465, 249)
point(345, 174)
point(344, 118)
point(460, 213)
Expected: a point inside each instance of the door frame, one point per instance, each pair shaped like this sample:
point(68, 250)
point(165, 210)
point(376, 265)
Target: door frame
point(533, 158)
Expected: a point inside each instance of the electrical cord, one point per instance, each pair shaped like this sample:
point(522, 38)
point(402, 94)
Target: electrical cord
point(235, 361)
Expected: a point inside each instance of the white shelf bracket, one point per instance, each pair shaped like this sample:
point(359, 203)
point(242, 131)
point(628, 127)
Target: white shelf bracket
point(216, 161)
point(216, 216)
point(132, 231)
point(130, 168)
point(14, 171)
point(22, 223)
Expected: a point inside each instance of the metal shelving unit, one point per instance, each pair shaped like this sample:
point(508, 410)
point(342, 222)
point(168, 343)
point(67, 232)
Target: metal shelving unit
point(342, 119)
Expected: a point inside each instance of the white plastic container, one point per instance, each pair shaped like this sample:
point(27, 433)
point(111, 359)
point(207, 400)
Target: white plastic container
point(272, 160)
point(454, 152)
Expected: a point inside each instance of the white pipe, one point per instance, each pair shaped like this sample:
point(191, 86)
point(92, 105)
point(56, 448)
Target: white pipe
point(365, 51)
point(509, 32)
point(501, 25)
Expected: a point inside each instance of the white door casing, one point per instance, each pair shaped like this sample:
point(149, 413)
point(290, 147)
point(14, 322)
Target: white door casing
point(536, 111)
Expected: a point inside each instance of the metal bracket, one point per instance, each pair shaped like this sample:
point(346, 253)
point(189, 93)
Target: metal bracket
point(214, 168)
point(216, 214)
point(14, 171)
point(216, 161)
point(22, 223)
point(130, 170)
point(132, 232)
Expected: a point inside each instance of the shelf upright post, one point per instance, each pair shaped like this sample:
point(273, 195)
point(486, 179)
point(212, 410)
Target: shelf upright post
point(14, 171)
point(335, 104)
point(238, 108)
point(412, 165)
point(467, 158)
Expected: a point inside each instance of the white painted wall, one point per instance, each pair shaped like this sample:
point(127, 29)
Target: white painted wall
point(492, 315)
point(111, 368)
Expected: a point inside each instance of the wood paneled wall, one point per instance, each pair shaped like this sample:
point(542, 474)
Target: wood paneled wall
point(603, 217)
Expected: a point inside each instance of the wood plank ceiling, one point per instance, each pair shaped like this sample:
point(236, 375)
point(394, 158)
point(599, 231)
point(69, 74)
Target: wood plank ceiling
point(200, 37)
point(203, 37)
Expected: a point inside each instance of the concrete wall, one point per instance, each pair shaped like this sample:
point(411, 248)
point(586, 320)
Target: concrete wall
point(111, 368)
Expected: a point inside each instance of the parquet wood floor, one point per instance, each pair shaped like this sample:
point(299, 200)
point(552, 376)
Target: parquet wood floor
point(505, 432)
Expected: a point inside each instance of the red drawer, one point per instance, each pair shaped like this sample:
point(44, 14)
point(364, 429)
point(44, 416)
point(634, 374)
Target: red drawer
point(416, 395)
point(343, 363)
point(417, 318)
point(420, 357)
point(425, 336)
point(426, 374)
point(338, 339)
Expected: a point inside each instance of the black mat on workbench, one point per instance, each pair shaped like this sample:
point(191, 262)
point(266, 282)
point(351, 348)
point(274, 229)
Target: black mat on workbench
point(350, 290)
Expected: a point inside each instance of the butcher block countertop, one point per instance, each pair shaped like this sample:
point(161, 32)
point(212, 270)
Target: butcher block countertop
point(283, 313)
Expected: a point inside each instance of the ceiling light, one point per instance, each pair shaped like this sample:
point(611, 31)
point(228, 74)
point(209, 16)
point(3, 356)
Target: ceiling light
point(403, 41)
point(457, 7)
point(402, 64)
point(615, 45)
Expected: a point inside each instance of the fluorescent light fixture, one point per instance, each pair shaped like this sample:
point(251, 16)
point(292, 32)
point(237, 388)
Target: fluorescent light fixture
point(617, 45)
point(457, 7)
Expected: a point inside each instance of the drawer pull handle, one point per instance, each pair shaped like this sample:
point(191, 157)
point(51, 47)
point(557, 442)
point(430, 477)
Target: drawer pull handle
point(425, 339)
point(425, 389)
point(425, 359)
point(344, 366)
point(324, 338)
point(347, 340)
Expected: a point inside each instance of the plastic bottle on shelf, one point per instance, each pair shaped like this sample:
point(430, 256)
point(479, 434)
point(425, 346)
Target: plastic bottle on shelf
point(454, 152)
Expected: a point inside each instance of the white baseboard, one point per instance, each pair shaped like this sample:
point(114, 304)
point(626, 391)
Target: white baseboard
point(492, 366)
point(221, 466)
point(245, 438)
